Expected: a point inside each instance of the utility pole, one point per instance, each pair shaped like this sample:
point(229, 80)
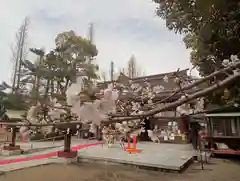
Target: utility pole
point(91, 33)
point(23, 38)
point(90, 38)
point(112, 71)
point(132, 67)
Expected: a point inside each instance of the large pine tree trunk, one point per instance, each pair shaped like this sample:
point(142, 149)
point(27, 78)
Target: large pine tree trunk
point(47, 88)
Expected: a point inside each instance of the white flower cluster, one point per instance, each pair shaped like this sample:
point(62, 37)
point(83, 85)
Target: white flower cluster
point(198, 104)
point(95, 111)
point(228, 62)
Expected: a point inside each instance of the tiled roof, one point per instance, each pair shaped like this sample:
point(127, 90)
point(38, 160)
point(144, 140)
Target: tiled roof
point(154, 80)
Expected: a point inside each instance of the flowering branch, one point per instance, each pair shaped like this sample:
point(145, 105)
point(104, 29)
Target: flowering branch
point(182, 101)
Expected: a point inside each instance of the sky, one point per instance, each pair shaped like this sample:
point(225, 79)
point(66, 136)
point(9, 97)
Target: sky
point(121, 28)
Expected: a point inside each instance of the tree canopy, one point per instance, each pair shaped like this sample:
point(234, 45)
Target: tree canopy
point(211, 29)
point(53, 72)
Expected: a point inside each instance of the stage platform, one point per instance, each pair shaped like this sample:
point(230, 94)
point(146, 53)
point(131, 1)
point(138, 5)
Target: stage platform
point(169, 157)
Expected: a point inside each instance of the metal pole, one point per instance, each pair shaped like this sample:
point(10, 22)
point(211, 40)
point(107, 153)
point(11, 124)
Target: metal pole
point(112, 71)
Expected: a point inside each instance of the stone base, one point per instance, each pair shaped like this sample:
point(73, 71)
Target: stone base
point(11, 152)
point(11, 148)
point(70, 154)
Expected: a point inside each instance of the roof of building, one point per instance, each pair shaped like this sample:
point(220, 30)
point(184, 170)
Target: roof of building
point(15, 114)
point(156, 79)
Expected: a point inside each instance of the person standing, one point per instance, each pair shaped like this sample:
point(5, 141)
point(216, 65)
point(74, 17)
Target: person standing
point(194, 136)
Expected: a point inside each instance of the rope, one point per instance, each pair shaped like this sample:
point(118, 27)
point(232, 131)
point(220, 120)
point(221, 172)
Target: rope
point(59, 136)
point(45, 139)
point(49, 138)
point(85, 129)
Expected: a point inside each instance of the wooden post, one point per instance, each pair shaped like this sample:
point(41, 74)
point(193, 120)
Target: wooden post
point(67, 140)
point(129, 142)
point(99, 132)
point(67, 152)
point(12, 145)
point(14, 135)
point(78, 134)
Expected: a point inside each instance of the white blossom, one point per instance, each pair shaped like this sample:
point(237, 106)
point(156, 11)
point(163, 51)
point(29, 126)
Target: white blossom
point(234, 58)
point(150, 101)
point(72, 93)
point(165, 78)
point(157, 89)
point(226, 62)
point(177, 80)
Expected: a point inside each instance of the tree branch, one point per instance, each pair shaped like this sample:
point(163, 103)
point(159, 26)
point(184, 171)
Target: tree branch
point(192, 85)
point(185, 100)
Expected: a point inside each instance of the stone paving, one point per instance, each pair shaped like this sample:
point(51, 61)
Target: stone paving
point(165, 156)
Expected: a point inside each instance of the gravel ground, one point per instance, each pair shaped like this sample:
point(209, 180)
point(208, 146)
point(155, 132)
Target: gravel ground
point(219, 170)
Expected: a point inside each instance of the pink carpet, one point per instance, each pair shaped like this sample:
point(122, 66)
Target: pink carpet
point(46, 155)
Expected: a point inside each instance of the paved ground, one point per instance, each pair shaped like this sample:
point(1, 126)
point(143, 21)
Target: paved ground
point(56, 169)
point(166, 156)
point(169, 156)
point(218, 170)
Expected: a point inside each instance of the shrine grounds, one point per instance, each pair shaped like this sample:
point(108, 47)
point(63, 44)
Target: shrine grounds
point(218, 169)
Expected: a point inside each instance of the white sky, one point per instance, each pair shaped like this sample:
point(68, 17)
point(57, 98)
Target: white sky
point(122, 28)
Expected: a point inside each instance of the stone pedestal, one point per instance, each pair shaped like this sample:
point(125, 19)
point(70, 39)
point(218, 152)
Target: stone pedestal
point(9, 150)
point(67, 154)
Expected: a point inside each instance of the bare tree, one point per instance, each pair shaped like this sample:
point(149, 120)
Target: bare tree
point(133, 69)
point(19, 53)
point(139, 71)
point(104, 76)
point(132, 72)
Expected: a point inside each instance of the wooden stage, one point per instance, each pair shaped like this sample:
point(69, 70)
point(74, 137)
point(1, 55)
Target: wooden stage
point(172, 157)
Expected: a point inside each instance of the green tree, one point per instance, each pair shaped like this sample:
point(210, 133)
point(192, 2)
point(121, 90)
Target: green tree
point(75, 54)
point(57, 69)
point(211, 29)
